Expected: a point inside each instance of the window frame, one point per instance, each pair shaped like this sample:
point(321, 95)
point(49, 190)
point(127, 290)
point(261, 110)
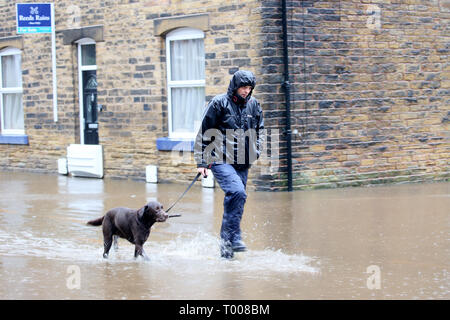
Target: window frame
point(180, 34)
point(9, 51)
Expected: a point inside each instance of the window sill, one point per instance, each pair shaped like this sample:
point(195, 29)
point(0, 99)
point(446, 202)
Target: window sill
point(169, 144)
point(13, 139)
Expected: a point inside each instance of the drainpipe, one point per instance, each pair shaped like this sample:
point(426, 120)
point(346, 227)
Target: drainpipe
point(287, 94)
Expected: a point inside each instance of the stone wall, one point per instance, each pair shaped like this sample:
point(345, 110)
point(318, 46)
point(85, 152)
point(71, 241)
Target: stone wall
point(131, 78)
point(370, 91)
point(369, 96)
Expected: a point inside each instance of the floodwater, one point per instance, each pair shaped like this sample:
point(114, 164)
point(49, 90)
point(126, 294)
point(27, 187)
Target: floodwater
point(385, 242)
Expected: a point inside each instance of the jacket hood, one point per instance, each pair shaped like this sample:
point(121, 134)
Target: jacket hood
point(241, 78)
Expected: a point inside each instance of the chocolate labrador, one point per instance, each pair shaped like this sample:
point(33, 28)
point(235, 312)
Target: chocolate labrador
point(133, 225)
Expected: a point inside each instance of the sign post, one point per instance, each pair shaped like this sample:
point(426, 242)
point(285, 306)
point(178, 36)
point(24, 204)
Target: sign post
point(40, 18)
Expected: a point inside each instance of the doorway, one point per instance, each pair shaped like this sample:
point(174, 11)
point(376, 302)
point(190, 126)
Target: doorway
point(87, 76)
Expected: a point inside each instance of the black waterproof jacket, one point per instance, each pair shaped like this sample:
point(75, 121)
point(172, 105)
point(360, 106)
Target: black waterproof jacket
point(238, 123)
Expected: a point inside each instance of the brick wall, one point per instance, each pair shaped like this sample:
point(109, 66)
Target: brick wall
point(370, 91)
point(47, 139)
point(369, 100)
point(131, 78)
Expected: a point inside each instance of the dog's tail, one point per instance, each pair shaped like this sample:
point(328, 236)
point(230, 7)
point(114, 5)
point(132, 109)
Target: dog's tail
point(96, 222)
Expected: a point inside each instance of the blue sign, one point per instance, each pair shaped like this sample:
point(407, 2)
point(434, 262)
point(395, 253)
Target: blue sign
point(34, 17)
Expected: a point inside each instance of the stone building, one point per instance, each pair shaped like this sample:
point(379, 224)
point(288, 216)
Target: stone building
point(367, 83)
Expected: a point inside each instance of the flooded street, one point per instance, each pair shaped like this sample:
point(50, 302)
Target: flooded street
point(385, 242)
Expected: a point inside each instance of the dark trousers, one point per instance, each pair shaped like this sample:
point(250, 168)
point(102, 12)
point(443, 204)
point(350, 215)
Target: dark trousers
point(233, 182)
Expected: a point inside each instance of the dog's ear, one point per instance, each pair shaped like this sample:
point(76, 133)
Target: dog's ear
point(142, 211)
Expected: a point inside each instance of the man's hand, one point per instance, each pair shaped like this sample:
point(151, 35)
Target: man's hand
point(203, 171)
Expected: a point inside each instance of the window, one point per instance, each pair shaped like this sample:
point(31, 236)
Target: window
point(11, 115)
point(185, 54)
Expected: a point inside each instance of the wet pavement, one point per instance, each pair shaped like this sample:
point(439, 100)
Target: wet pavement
point(385, 242)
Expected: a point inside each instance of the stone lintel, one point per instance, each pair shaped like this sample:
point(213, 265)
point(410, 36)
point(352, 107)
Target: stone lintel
point(164, 25)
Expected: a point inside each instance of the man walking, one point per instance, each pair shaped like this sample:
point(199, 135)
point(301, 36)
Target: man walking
point(235, 121)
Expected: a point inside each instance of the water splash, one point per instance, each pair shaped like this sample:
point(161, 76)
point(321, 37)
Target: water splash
point(191, 253)
point(201, 251)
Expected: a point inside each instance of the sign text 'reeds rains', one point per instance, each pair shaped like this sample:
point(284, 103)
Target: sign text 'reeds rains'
point(34, 18)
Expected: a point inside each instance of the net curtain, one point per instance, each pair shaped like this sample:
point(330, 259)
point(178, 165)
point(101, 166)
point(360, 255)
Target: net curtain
point(187, 64)
point(12, 101)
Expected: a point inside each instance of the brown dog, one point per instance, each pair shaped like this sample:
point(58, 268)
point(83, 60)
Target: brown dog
point(133, 225)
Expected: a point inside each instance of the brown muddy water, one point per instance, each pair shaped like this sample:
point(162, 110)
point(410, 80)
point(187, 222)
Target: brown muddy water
point(386, 242)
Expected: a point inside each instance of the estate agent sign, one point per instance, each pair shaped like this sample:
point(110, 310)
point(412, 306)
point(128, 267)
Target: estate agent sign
point(34, 17)
point(40, 18)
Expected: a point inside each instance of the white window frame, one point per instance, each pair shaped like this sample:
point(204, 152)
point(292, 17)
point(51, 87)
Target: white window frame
point(8, 52)
point(180, 34)
point(81, 68)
